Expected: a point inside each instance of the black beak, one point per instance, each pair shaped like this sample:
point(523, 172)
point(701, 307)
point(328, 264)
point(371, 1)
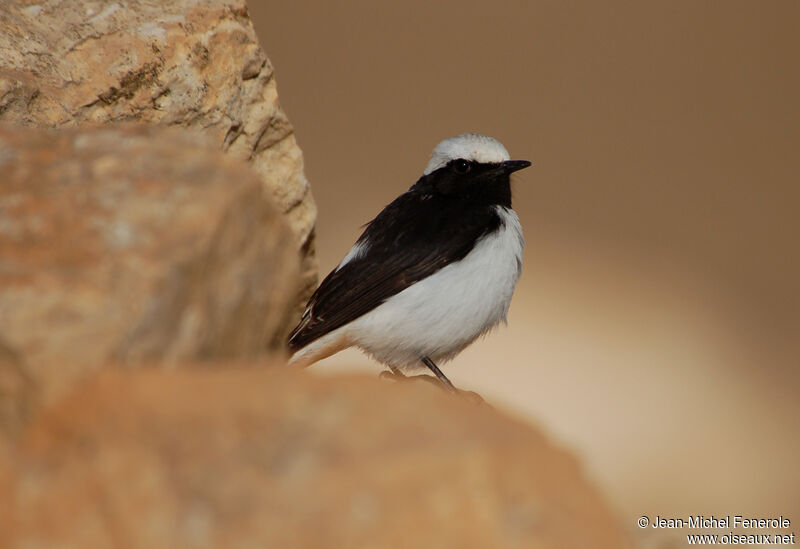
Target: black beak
point(511, 166)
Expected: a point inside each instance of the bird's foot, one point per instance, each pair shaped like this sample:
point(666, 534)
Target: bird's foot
point(395, 375)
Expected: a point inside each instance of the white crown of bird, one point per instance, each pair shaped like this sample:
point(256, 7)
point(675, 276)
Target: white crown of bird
point(469, 146)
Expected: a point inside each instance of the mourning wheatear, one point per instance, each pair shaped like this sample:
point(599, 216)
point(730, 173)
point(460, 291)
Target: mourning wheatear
point(432, 272)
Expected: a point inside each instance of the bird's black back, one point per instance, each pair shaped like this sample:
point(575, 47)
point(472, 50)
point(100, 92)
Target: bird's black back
point(435, 223)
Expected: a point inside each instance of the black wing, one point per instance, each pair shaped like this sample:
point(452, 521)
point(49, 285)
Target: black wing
point(412, 238)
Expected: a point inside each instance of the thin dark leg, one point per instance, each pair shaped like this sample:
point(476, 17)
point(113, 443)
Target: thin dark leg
point(435, 369)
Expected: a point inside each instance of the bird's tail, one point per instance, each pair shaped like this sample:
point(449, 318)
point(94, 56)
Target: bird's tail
point(320, 348)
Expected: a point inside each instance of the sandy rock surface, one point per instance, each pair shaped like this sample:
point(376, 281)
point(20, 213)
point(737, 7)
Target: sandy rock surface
point(132, 243)
point(258, 457)
point(193, 64)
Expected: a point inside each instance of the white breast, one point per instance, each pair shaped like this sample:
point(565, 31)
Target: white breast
point(442, 314)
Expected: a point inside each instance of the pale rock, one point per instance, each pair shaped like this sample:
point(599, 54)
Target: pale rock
point(193, 64)
point(266, 457)
point(131, 243)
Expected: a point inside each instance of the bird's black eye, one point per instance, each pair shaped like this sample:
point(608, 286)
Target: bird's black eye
point(461, 166)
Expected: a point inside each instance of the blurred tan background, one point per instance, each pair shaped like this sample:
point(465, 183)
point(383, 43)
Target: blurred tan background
point(655, 327)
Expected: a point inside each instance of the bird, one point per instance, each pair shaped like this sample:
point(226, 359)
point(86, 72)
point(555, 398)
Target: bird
point(432, 272)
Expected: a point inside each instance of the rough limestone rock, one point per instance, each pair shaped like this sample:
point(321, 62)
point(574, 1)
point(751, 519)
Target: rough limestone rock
point(131, 243)
point(239, 458)
point(196, 64)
